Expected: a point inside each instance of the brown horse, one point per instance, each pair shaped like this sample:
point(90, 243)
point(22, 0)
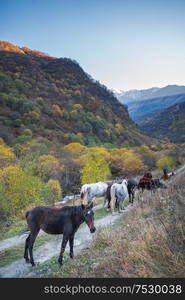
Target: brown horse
point(150, 184)
point(53, 220)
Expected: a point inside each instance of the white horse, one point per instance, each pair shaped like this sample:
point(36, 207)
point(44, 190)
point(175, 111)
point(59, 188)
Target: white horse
point(93, 190)
point(118, 193)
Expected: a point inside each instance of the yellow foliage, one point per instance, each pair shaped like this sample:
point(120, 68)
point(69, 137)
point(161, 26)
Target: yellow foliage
point(95, 169)
point(74, 113)
point(6, 155)
point(2, 141)
point(119, 128)
point(56, 191)
point(19, 190)
point(34, 115)
point(101, 151)
point(78, 106)
point(126, 161)
point(50, 166)
point(165, 161)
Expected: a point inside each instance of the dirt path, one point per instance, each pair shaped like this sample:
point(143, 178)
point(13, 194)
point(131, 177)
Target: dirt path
point(83, 239)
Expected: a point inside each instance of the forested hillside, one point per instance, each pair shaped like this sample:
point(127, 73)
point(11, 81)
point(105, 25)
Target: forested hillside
point(54, 98)
point(167, 124)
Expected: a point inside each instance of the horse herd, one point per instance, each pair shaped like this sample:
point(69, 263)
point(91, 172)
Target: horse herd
point(114, 193)
point(66, 220)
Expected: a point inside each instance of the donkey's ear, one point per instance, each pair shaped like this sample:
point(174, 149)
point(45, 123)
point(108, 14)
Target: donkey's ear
point(83, 206)
point(91, 205)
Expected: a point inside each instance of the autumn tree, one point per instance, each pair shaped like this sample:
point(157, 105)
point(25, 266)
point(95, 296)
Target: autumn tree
point(95, 168)
point(7, 156)
point(165, 161)
point(49, 167)
point(125, 162)
point(72, 157)
point(19, 191)
point(56, 191)
point(146, 155)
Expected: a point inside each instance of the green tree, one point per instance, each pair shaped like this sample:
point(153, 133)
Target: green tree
point(165, 161)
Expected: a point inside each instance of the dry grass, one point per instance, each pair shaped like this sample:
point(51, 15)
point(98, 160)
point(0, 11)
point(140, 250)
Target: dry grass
point(148, 241)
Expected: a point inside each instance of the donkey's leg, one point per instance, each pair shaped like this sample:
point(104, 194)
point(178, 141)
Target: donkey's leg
point(129, 194)
point(108, 204)
point(63, 246)
point(32, 238)
point(26, 249)
point(133, 195)
point(71, 243)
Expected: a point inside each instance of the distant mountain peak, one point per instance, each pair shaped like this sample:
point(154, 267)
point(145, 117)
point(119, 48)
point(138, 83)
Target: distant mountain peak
point(146, 94)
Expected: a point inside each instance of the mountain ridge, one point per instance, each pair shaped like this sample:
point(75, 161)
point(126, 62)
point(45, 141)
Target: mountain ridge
point(151, 93)
point(168, 123)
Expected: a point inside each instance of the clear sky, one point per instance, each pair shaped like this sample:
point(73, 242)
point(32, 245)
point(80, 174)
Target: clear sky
point(125, 44)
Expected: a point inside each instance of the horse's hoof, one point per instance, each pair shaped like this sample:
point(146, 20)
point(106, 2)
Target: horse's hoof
point(71, 256)
point(27, 260)
point(60, 261)
point(33, 264)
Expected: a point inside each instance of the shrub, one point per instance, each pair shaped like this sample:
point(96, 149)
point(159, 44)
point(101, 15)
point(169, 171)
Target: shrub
point(165, 162)
point(56, 191)
point(20, 190)
point(95, 168)
point(49, 167)
point(6, 155)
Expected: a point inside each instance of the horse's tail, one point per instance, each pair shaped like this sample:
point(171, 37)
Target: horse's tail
point(83, 195)
point(113, 197)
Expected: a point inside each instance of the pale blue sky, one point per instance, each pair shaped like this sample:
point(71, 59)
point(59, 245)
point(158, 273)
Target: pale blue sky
point(125, 44)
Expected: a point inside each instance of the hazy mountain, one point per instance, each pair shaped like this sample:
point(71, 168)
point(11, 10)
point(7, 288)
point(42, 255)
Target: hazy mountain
point(140, 110)
point(155, 92)
point(167, 124)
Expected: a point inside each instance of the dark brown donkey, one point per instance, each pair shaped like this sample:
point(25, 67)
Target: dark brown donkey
point(53, 220)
